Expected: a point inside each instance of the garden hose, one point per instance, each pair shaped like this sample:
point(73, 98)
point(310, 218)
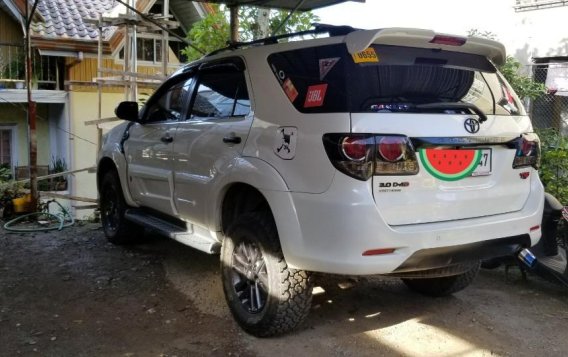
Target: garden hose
point(60, 218)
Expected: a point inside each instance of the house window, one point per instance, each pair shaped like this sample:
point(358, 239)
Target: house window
point(6, 147)
point(150, 49)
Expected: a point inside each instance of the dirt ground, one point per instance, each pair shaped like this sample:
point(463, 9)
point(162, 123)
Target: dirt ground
point(71, 293)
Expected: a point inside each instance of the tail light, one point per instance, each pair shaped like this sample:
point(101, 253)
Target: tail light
point(448, 40)
point(363, 155)
point(527, 151)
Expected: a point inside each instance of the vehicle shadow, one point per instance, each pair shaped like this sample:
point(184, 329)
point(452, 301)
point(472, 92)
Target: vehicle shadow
point(380, 316)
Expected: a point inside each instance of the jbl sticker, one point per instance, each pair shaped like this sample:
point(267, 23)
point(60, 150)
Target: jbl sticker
point(326, 64)
point(367, 56)
point(290, 90)
point(315, 95)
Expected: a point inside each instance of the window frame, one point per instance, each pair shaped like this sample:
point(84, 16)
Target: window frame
point(185, 77)
point(13, 129)
point(120, 58)
point(239, 65)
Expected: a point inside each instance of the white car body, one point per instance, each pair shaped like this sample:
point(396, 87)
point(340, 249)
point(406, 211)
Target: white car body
point(325, 219)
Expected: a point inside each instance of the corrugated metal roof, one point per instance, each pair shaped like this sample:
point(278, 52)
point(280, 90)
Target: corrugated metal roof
point(282, 4)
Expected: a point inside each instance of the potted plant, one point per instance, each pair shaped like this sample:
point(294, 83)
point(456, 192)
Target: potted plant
point(58, 165)
point(13, 198)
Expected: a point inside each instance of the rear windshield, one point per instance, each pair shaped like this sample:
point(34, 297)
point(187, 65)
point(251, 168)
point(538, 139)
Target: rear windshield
point(386, 78)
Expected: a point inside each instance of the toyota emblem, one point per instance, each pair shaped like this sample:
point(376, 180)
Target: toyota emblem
point(471, 125)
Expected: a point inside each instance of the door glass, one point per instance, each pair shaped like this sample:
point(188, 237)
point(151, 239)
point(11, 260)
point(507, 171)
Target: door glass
point(221, 94)
point(170, 105)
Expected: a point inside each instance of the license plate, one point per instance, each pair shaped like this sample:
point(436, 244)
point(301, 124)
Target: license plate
point(484, 166)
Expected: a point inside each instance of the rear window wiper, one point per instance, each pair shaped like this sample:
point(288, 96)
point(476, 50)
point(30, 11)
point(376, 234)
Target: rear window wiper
point(445, 105)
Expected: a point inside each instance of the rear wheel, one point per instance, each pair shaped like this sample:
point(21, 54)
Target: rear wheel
point(113, 206)
point(443, 286)
point(265, 296)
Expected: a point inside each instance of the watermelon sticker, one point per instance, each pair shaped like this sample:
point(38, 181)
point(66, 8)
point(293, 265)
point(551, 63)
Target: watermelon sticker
point(450, 164)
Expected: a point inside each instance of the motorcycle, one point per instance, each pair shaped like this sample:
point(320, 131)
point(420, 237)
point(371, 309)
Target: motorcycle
point(549, 257)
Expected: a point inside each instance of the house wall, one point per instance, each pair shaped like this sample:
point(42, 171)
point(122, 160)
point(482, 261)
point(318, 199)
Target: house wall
point(13, 114)
point(84, 106)
point(10, 30)
point(86, 70)
point(10, 33)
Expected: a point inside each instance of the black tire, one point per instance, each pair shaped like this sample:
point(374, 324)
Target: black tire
point(444, 286)
point(113, 206)
point(252, 264)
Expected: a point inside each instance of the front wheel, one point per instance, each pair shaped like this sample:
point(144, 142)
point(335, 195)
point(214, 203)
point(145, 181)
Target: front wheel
point(113, 206)
point(443, 286)
point(265, 296)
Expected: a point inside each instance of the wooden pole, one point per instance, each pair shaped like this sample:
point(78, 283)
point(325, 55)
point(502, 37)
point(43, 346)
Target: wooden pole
point(32, 109)
point(234, 23)
point(99, 84)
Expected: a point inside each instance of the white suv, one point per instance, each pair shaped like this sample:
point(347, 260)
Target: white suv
point(397, 151)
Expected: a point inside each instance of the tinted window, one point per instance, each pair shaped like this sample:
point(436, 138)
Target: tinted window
point(389, 79)
point(169, 104)
point(221, 93)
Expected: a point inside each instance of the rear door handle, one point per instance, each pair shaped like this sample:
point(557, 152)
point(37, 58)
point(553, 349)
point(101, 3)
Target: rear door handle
point(167, 139)
point(232, 139)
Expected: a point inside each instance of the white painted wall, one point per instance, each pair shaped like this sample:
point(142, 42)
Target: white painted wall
point(84, 107)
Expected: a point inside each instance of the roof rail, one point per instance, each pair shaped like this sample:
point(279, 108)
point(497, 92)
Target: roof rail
point(332, 30)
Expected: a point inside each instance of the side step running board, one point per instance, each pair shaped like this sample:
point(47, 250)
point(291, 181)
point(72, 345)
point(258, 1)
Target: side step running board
point(171, 230)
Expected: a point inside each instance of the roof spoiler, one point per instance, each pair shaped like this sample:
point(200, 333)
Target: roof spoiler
point(359, 40)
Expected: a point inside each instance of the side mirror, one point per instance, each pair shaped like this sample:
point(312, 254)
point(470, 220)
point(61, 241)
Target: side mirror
point(127, 111)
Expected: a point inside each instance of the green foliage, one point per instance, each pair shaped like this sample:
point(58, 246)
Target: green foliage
point(11, 189)
point(58, 165)
point(524, 86)
point(485, 34)
point(208, 34)
point(212, 32)
point(5, 173)
point(299, 21)
point(554, 163)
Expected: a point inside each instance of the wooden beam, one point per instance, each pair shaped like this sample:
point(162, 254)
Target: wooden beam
point(68, 197)
point(101, 121)
point(59, 174)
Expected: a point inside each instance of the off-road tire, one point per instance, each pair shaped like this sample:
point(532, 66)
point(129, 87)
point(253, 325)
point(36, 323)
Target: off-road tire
point(444, 286)
point(113, 206)
point(289, 292)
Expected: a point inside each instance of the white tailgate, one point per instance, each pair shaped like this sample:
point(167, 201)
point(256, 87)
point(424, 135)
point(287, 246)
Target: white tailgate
point(423, 198)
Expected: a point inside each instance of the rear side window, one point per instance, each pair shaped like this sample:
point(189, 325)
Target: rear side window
point(221, 93)
point(390, 79)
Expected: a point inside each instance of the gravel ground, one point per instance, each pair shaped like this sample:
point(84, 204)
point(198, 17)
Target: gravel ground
point(71, 293)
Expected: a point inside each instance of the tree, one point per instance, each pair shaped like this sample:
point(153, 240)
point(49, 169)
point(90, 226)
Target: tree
point(524, 86)
point(212, 32)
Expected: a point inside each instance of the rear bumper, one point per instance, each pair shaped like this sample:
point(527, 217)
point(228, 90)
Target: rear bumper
point(329, 232)
point(434, 258)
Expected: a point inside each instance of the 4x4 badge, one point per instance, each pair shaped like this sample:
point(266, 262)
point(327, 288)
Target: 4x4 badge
point(471, 125)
